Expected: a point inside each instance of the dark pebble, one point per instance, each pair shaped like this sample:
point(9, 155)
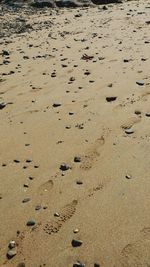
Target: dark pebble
point(111, 98)
point(76, 243)
point(64, 167)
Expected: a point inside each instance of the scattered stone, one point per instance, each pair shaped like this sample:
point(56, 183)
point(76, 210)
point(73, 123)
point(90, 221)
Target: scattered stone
point(64, 167)
point(56, 214)
point(111, 98)
point(16, 161)
point(5, 53)
point(140, 83)
point(147, 114)
point(2, 105)
point(12, 244)
point(79, 182)
point(26, 185)
point(129, 131)
point(72, 79)
point(38, 207)
point(110, 85)
point(25, 200)
point(11, 253)
point(137, 112)
point(96, 265)
point(78, 264)
point(68, 127)
point(76, 243)
point(128, 176)
point(76, 231)
point(28, 160)
point(31, 222)
point(77, 159)
point(56, 104)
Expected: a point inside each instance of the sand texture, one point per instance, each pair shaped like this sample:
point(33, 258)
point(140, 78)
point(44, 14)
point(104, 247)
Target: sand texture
point(75, 137)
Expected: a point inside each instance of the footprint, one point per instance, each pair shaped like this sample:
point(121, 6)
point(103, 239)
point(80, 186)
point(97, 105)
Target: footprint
point(95, 189)
point(66, 213)
point(130, 122)
point(136, 254)
point(91, 155)
point(44, 192)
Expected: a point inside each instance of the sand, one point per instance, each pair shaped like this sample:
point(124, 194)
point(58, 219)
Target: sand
point(47, 121)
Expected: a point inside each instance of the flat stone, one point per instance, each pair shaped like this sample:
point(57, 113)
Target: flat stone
point(76, 231)
point(27, 199)
point(137, 112)
point(128, 176)
point(79, 182)
point(31, 222)
point(129, 131)
point(11, 253)
point(140, 83)
point(56, 104)
point(76, 243)
point(78, 264)
point(111, 98)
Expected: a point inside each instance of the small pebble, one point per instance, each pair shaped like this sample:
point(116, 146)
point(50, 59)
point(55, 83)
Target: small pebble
point(56, 214)
point(2, 105)
point(77, 159)
point(79, 182)
point(38, 207)
point(76, 243)
point(128, 176)
point(27, 199)
point(140, 83)
point(11, 253)
point(78, 264)
point(31, 222)
point(12, 244)
point(137, 112)
point(76, 231)
point(55, 105)
point(111, 98)
point(129, 131)
point(64, 167)
point(26, 185)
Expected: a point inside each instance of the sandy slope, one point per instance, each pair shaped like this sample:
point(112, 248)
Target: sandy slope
point(110, 211)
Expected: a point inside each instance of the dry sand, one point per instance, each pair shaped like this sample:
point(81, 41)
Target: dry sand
point(95, 54)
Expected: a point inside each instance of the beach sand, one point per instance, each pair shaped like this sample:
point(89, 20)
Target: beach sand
point(75, 138)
